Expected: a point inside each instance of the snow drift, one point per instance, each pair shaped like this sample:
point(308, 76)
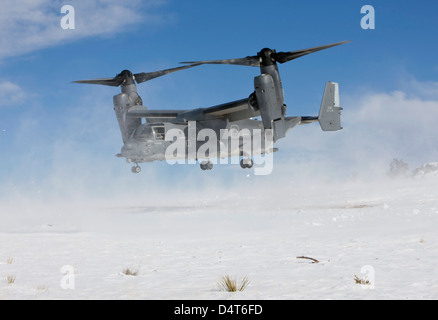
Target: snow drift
point(383, 230)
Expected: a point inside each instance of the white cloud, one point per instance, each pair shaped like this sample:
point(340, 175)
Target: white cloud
point(10, 94)
point(29, 25)
point(428, 90)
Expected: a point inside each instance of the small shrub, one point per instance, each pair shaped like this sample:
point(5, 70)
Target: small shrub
point(226, 283)
point(398, 168)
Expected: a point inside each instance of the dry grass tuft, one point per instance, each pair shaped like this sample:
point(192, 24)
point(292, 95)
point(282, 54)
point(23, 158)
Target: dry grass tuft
point(361, 281)
point(42, 288)
point(226, 283)
point(130, 272)
point(11, 279)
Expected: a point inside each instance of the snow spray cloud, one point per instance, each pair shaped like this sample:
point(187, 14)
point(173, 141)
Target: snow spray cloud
point(394, 125)
point(378, 127)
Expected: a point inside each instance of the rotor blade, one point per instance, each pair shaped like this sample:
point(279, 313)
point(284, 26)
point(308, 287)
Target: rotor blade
point(142, 77)
point(113, 82)
point(252, 61)
point(283, 57)
point(125, 76)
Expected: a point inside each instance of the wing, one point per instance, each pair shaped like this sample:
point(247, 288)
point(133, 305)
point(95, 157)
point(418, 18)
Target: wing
point(233, 111)
point(154, 115)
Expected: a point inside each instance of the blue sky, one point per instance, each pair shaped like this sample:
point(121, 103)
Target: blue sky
point(51, 130)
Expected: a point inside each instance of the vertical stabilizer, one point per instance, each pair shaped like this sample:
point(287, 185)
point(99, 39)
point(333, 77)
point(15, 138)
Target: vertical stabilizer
point(330, 113)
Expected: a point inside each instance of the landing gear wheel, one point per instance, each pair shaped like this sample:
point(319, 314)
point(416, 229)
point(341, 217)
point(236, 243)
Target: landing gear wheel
point(206, 165)
point(136, 169)
point(246, 163)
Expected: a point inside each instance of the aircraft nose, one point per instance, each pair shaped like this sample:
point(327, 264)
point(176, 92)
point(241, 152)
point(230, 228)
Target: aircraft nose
point(129, 148)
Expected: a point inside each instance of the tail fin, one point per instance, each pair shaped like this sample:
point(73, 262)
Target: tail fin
point(330, 113)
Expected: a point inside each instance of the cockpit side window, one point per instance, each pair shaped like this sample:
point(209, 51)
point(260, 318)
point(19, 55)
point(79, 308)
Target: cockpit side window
point(159, 133)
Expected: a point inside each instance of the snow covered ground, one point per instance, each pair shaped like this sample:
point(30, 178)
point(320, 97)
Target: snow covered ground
point(383, 230)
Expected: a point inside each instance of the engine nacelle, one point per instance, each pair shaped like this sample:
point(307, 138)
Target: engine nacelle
point(271, 111)
point(122, 103)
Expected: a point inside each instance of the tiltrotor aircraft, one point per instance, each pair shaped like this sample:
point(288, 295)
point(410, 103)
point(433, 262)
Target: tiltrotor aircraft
point(146, 133)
